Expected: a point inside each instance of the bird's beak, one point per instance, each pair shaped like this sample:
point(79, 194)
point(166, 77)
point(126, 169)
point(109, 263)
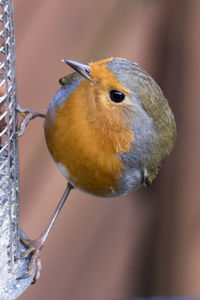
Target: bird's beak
point(82, 69)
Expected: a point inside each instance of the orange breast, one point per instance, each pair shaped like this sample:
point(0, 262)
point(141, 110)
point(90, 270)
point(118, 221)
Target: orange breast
point(90, 161)
point(85, 138)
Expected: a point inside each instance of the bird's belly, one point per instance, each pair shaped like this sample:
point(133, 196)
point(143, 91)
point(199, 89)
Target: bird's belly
point(89, 168)
point(89, 176)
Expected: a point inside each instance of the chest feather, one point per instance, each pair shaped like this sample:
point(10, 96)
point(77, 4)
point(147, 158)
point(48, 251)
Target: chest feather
point(87, 147)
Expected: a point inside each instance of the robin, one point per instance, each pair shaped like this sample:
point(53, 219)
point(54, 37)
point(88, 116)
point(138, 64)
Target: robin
point(108, 128)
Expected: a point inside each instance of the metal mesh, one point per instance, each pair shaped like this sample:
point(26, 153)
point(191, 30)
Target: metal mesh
point(13, 268)
point(9, 173)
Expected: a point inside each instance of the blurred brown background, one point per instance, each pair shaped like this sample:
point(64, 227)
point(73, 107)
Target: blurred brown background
point(148, 242)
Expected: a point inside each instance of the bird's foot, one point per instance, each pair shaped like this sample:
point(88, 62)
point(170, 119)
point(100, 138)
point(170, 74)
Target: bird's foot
point(27, 115)
point(34, 248)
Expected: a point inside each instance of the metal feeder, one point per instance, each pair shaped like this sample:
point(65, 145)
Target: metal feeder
point(11, 265)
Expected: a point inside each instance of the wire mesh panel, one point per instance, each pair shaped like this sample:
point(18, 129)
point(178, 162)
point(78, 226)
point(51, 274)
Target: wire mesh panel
point(11, 266)
point(8, 142)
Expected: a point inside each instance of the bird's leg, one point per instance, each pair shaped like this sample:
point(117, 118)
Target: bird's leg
point(27, 115)
point(35, 246)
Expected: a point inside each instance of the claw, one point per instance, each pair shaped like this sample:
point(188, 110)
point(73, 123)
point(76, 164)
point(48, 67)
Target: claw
point(27, 115)
point(27, 252)
point(38, 268)
point(35, 263)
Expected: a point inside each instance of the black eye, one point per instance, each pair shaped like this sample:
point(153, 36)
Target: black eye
point(116, 96)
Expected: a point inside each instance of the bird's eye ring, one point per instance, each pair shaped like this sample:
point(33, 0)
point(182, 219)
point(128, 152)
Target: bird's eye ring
point(116, 96)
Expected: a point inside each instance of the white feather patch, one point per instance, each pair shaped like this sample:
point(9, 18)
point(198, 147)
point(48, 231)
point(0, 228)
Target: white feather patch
point(63, 170)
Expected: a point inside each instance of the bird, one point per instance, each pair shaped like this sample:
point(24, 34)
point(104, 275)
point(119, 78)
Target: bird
point(108, 128)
